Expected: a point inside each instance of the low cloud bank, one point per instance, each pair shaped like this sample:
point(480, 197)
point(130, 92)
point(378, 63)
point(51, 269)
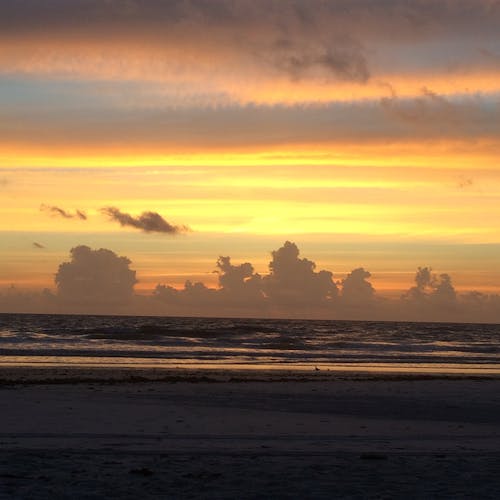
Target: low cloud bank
point(100, 281)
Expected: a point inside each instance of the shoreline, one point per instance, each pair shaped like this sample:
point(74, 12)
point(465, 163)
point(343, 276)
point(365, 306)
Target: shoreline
point(33, 374)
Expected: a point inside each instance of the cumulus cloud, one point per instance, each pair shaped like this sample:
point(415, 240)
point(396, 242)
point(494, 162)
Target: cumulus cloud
point(432, 297)
point(293, 280)
point(37, 245)
point(149, 222)
point(97, 277)
point(357, 291)
point(57, 211)
point(239, 283)
point(100, 281)
point(292, 287)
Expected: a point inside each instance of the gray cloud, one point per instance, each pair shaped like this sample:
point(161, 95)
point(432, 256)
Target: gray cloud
point(111, 16)
point(357, 291)
point(428, 109)
point(293, 280)
point(57, 211)
point(303, 39)
point(432, 297)
point(149, 222)
point(343, 59)
point(97, 277)
point(100, 281)
point(239, 283)
point(313, 39)
point(395, 118)
point(38, 245)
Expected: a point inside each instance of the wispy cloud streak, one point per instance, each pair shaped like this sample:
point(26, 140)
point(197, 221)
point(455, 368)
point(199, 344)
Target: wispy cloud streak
point(149, 222)
point(60, 212)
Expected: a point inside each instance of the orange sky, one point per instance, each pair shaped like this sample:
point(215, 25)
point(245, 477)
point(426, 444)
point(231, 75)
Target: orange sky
point(335, 125)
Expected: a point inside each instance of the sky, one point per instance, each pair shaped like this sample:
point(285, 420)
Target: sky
point(173, 133)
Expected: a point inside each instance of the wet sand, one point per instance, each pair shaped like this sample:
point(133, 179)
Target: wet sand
point(176, 434)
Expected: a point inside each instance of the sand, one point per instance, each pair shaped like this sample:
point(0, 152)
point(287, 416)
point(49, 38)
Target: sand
point(152, 434)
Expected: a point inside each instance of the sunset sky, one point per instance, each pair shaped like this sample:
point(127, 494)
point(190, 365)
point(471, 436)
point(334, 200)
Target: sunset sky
point(367, 132)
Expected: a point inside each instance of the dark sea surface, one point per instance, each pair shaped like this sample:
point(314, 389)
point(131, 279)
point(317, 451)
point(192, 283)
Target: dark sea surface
point(248, 343)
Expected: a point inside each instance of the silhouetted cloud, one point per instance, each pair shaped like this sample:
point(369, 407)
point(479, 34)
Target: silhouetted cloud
point(432, 297)
point(100, 281)
point(96, 277)
point(57, 211)
point(37, 245)
point(356, 290)
point(149, 222)
point(294, 281)
point(239, 283)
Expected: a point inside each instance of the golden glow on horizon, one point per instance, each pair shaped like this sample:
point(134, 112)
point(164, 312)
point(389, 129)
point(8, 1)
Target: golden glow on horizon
point(429, 153)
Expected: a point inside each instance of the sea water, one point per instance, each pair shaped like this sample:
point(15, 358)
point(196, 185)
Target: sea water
point(62, 340)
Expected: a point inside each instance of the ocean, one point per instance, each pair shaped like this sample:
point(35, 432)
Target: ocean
point(121, 341)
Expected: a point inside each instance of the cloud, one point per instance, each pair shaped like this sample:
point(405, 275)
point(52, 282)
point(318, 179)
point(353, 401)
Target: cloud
point(429, 109)
point(432, 297)
point(356, 290)
point(57, 211)
point(95, 277)
point(292, 287)
point(100, 281)
point(239, 283)
point(132, 18)
point(344, 60)
point(301, 39)
point(37, 245)
point(149, 222)
point(294, 281)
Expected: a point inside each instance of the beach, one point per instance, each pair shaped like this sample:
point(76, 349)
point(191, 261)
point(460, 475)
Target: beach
point(94, 433)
